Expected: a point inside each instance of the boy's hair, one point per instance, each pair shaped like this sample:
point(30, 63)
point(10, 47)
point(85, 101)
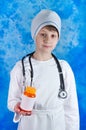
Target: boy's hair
point(52, 28)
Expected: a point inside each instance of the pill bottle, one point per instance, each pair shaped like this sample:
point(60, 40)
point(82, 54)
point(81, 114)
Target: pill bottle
point(28, 99)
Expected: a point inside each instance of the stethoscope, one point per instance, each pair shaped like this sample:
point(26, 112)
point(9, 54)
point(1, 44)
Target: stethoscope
point(62, 92)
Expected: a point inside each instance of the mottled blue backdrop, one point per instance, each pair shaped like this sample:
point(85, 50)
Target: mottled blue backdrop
point(15, 42)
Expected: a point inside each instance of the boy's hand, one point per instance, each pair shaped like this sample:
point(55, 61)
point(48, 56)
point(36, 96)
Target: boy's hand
point(18, 110)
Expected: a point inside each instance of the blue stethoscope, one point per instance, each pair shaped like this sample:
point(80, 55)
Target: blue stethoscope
point(62, 93)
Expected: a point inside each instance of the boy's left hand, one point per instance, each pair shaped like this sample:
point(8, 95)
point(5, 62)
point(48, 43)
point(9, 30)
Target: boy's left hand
point(18, 110)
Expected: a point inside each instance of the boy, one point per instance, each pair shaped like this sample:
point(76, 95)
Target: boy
point(52, 110)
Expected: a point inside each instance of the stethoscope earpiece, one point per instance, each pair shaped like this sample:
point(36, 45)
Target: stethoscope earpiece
point(62, 94)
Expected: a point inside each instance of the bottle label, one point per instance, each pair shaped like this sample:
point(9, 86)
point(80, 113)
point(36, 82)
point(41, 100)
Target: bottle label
point(27, 103)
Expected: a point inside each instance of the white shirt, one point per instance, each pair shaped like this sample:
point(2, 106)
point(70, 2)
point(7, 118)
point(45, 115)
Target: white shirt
point(63, 112)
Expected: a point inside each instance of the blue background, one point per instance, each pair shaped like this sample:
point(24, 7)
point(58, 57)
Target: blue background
point(15, 42)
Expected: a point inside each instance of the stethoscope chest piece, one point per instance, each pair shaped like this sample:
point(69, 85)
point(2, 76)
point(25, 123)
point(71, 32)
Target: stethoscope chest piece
point(62, 94)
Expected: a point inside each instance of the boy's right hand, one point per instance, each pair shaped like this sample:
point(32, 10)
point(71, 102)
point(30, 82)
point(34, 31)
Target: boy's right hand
point(18, 110)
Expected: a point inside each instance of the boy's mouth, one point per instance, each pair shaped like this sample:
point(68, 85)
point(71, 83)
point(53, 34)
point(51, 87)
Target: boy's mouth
point(47, 46)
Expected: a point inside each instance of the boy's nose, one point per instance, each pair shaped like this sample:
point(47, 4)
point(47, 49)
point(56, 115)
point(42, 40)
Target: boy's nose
point(46, 39)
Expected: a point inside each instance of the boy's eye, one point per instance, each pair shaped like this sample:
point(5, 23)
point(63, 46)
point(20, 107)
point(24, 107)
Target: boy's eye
point(43, 34)
point(53, 36)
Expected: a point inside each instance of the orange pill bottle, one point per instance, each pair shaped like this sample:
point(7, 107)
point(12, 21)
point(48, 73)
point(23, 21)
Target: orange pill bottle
point(28, 99)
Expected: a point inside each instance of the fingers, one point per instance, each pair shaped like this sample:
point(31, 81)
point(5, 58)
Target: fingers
point(25, 113)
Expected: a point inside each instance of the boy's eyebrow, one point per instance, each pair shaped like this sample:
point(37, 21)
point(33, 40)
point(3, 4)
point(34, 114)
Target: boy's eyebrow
point(44, 30)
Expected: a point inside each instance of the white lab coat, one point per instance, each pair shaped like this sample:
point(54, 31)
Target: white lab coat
point(49, 112)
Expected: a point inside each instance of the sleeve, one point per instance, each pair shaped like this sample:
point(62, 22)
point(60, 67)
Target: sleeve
point(15, 87)
point(71, 103)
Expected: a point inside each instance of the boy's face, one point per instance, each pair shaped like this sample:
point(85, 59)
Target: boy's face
point(46, 40)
